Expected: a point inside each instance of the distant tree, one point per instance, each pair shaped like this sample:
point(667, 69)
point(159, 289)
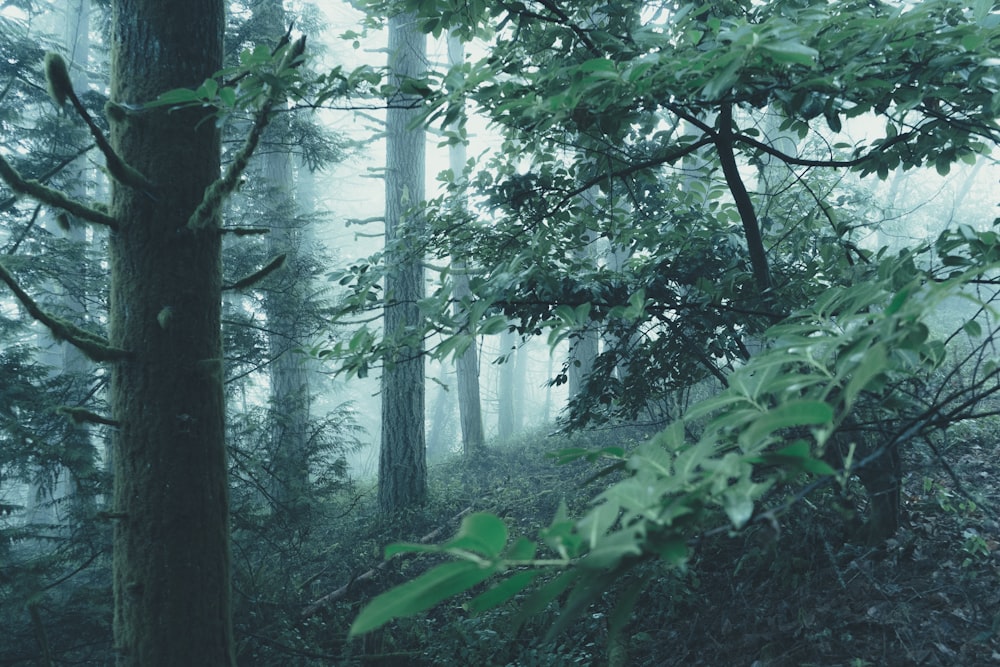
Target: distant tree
point(507, 390)
point(285, 302)
point(73, 488)
point(467, 363)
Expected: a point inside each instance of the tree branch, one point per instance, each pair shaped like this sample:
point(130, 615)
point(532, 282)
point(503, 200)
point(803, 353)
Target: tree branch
point(221, 188)
point(95, 347)
point(52, 197)
point(61, 89)
point(751, 227)
point(81, 415)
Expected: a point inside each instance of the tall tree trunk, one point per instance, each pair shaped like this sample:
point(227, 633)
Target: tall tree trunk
point(439, 428)
point(284, 304)
point(583, 345)
point(74, 362)
point(470, 409)
point(505, 386)
point(403, 457)
point(171, 544)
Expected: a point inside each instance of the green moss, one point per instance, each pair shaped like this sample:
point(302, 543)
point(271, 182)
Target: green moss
point(57, 79)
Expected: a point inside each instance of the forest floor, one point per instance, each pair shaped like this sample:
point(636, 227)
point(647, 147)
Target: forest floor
point(806, 595)
point(928, 596)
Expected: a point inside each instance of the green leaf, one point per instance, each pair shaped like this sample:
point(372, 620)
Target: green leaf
point(228, 97)
point(833, 120)
point(176, 97)
point(873, 363)
point(897, 302)
point(209, 89)
point(596, 523)
point(610, 549)
point(397, 548)
point(483, 533)
point(673, 550)
point(794, 413)
point(539, 599)
point(502, 591)
point(420, 594)
point(598, 65)
point(791, 51)
point(522, 549)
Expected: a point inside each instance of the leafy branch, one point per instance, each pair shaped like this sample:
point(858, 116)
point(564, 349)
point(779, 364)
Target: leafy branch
point(220, 189)
point(772, 422)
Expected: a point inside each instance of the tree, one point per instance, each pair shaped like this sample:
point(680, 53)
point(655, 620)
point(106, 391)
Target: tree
point(170, 507)
point(171, 570)
point(403, 458)
point(284, 304)
point(75, 484)
point(506, 391)
point(467, 363)
point(840, 335)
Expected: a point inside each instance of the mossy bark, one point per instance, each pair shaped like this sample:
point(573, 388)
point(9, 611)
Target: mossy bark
point(403, 456)
point(171, 560)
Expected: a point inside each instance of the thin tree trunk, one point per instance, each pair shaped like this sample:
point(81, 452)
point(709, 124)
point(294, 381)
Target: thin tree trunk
point(441, 415)
point(505, 387)
point(171, 543)
point(585, 344)
point(403, 456)
point(467, 365)
point(284, 304)
point(751, 227)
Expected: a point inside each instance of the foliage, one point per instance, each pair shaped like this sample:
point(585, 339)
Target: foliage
point(772, 424)
point(606, 191)
point(616, 204)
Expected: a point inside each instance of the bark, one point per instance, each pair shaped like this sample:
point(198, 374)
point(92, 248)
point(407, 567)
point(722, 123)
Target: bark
point(724, 144)
point(171, 542)
point(506, 420)
point(284, 304)
point(403, 458)
point(467, 365)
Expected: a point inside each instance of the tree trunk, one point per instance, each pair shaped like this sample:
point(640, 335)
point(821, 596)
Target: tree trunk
point(748, 215)
point(403, 457)
point(505, 387)
point(440, 427)
point(171, 544)
point(284, 305)
point(470, 409)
